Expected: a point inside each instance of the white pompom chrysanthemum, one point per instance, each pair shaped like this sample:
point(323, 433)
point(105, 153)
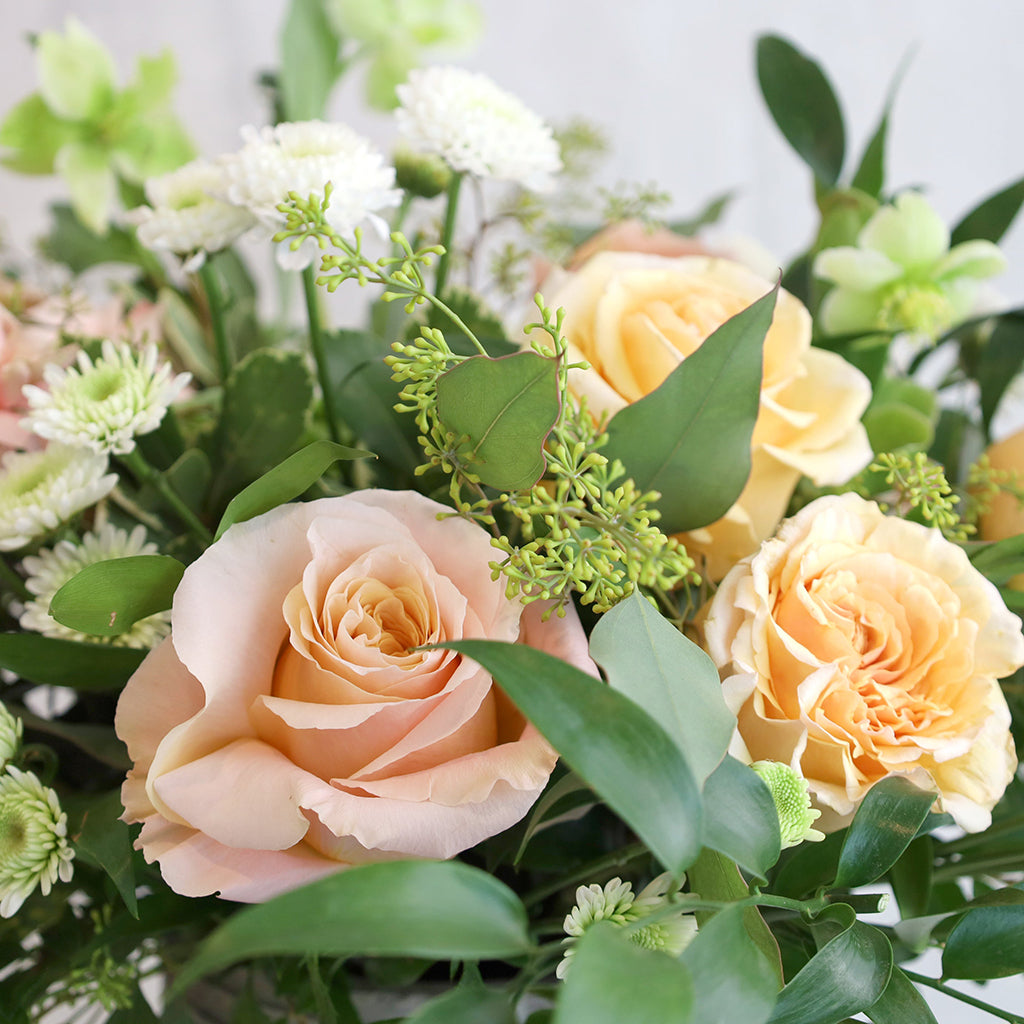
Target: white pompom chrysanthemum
point(50, 568)
point(41, 490)
point(34, 847)
point(477, 127)
point(188, 215)
point(104, 405)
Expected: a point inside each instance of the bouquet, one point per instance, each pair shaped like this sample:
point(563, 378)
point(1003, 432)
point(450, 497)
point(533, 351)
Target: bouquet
point(613, 628)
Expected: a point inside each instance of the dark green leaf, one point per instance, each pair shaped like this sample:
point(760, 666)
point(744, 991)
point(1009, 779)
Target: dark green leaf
point(911, 877)
point(1002, 357)
point(569, 791)
point(186, 337)
point(803, 105)
point(1001, 560)
point(98, 741)
point(467, 1004)
point(710, 214)
point(808, 866)
point(107, 598)
point(669, 676)
point(621, 752)
point(439, 909)
point(844, 211)
point(991, 219)
point(987, 942)
point(885, 823)
point(309, 61)
point(891, 426)
point(105, 839)
point(870, 174)
point(506, 408)
point(900, 1003)
point(71, 243)
point(611, 981)
point(690, 438)
point(51, 662)
point(286, 481)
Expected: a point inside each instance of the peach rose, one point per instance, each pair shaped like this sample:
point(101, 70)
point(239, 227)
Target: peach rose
point(287, 728)
point(634, 317)
point(854, 646)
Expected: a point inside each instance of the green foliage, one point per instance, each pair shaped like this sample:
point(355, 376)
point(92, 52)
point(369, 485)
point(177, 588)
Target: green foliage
point(900, 1003)
point(469, 1003)
point(920, 486)
point(992, 217)
point(52, 662)
point(309, 64)
point(1002, 357)
point(105, 840)
point(987, 942)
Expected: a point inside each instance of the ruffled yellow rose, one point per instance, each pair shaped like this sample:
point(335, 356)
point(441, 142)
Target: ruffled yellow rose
point(635, 316)
point(854, 646)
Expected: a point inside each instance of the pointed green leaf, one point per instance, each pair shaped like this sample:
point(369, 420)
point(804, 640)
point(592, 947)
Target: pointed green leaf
point(438, 909)
point(1002, 357)
point(709, 214)
point(506, 408)
point(1000, 560)
point(104, 838)
point(870, 174)
point(108, 598)
point(286, 481)
point(470, 1003)
point(611, 981)
point(35, 134)
point(615, 746)
point(991, 218)
point(186, 337)
point(309, 61)
point(900, 1003)
point(669, 676)
point(569, 788)
point(690, 438)
point(911, 877)
point(98, 741)
point(51, 662)
point(987, 942)
point(74, 245)
point(885, 823)
point(803, 105)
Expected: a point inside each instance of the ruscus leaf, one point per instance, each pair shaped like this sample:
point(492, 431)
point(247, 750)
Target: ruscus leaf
point(992, 217)
point(49, 661)
point(987, 942)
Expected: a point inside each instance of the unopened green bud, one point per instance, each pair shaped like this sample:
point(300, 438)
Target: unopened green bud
point(421, 174)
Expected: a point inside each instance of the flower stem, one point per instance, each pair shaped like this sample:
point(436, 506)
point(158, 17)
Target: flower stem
point(939, 986)
point(215, 301)
point(13, 581)
point(319, 350)
point(448, 233)
point(617, 858)
point(145, 473)
point(1013, 824)
point(982, 866)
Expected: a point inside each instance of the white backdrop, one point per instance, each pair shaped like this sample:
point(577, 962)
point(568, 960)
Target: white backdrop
point(671, 81)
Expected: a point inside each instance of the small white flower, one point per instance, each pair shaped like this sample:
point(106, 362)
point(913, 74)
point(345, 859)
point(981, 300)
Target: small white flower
point(187, 214)
point(51, 568)
point(476, 126)
point(104, 405)
point(792, 799)
point(34, 848)
point(41, 490)
point(10, 736)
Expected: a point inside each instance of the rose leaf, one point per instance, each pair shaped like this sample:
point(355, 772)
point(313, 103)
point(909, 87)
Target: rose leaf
point(505, 409)
point(689, 439)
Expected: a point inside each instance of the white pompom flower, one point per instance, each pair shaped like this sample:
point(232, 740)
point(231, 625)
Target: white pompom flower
point(10, 736)
point(34, 848)
point(477, 127)
point(50, 568)
point(103, 405)
point(40, 490)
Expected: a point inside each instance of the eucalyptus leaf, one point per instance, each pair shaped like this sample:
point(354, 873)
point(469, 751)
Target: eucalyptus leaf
point(992, 217)
point(438, 909)
point(505, 408)
point(900, 1003)
point(689, 439)
point(105, 839)
point(49, 661)
point(309, 61)
point(107, 598)
point(987, 942)
point(615, 746)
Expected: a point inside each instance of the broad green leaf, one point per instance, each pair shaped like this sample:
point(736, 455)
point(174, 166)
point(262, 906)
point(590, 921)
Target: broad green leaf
point(611, 981)
point(506, 408)
point(189, 476)
point(615, 746)
point(154, 81)
point(803, 105)
point(731, 978)
point(745, 825)
point(885, 823)
point(991, 218)
point(71, 243)
point(892, 426)
point(900, 1003)
point(108, 598)
point(439, 909)
point(155, 143)
point(470, 1003)
point(987, 942)
point(690, 438)
point(1001, 359)
point(309, 61)
point(77, 77)
point(51, 662)
point(911, 877)
point(186, 337)
point(286, 481)
point(808, 866)
point(35, 134)
point(670, 677)
point(98, 741)
point(569, 788)
point(105, 839)
point(1000, 560)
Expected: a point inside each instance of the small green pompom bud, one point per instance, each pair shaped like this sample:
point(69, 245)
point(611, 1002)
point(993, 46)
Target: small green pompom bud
point(10, 736)
point(792, 803)
point(421, 174)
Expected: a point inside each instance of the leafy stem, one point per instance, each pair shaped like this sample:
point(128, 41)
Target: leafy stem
point(940, 986)
point(319, 350)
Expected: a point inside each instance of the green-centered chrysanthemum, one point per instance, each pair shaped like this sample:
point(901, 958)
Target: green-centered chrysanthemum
point(792, 803)
point(34, 847)
point(10, 736)
point(104, 405)
point(50, 568)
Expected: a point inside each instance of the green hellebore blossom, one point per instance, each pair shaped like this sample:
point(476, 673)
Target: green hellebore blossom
point(81, 126)
point(902, 276)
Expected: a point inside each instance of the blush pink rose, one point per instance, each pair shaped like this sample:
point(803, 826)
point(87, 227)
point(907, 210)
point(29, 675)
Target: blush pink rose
point(288, 729)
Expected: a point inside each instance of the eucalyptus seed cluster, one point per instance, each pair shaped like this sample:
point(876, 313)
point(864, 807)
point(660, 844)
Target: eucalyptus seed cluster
point(919, 484)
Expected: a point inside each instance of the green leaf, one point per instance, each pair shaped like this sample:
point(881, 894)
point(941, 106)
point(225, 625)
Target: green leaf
point(470, 1003)
point(1002, 357)
point(98, 741)
point(286, 481)
point(568, 786)
point(107, 598)
point(987, 942)
point(670, 677)
point(709, 214)
point(75, 246)
point(611, 981)
point(85, 167)
point(870, 174)
point(52, 662)
point(991, 218)
point(438, 909)
point(885, 823)
point(506, 408)
point(732, 980)
point(105, 839)
point(615, 746)
point(189, 475)
point(309, 61)
point(803, 105)
point(746, 827)
point(1000, 560)
point(35, 134)
point(186, 337)
point(900, 1003)
point(911, 877)
point(809, 866)
point(690, 438)
point(891, 426)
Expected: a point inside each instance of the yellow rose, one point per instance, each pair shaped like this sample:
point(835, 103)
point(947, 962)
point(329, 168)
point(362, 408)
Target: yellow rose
point(854, 646)
point(635, 316)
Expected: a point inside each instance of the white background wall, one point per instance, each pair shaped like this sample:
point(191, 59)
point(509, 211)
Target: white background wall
point(672, 82)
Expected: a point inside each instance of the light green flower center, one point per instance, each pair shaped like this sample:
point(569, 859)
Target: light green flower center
point(918, 308)
point(102, 383)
